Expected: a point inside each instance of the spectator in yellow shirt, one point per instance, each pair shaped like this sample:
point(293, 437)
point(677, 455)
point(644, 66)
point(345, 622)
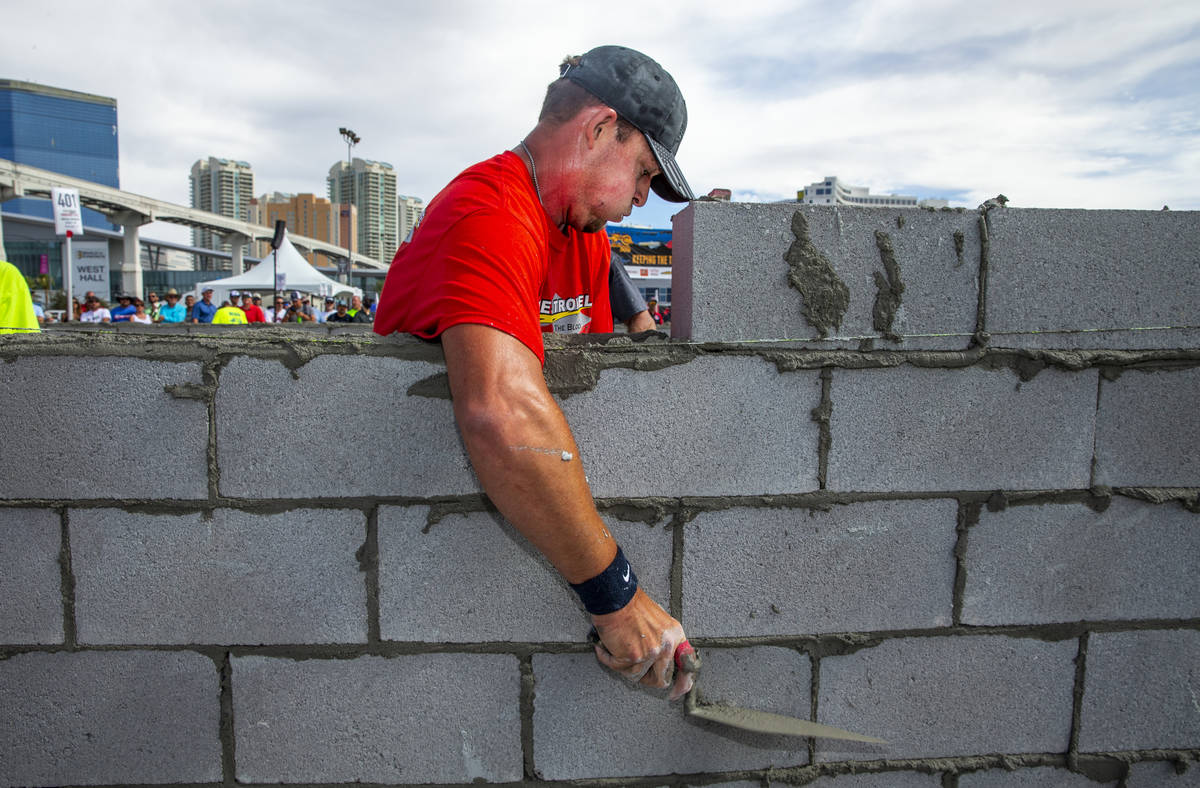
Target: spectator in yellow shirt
point(16, 304)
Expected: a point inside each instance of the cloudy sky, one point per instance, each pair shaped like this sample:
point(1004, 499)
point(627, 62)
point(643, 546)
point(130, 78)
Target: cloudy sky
point(1055, 103)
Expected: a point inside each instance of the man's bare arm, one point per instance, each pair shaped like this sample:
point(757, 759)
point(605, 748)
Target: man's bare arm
point(526, 458)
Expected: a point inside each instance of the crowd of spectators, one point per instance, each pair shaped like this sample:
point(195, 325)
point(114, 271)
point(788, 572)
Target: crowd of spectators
point(241, 308)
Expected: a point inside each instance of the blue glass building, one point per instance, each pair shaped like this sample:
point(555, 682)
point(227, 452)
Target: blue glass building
point(59, 130)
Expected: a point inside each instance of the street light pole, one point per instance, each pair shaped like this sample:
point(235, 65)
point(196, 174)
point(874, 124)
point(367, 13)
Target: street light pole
point(351, 139)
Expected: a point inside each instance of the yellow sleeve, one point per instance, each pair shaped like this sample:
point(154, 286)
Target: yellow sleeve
point(16, 305)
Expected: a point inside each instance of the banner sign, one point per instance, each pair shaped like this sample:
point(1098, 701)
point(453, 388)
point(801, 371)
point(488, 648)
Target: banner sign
point(90, 268)
point(68, 216)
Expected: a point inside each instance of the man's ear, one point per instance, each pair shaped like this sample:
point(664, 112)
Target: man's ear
point(598, 120)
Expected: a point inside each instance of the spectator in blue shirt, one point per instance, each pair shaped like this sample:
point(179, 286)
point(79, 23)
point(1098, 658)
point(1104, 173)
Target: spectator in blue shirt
point(205, 309)
point(122, 313)
point(173, 311)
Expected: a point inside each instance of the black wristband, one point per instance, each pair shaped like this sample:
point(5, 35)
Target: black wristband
point(610, 590)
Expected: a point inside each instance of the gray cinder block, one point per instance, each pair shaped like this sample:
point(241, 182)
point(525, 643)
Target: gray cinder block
point(631, 731)
point(236, 577)
point(1035, 777)
point(117, 717)
point(950, 696)
point(880, 780)
point(756, 271)
point(1065, 562)
point(867, 566)
point(1086, 271)
point(1140, 691)
point(961, 429)
point(425, 718)
point(105, 427)
point(1148, 428)
point(1162, 774)
point(380, 439)
point(714, 426)
point(473, 578)
point(31, 607)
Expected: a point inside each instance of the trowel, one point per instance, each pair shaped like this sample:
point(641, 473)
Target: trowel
point(687, 659)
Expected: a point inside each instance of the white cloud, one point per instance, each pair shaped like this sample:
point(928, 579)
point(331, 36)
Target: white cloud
point(1085, 104)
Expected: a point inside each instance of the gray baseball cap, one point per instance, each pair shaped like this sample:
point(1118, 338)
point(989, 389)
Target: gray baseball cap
point(643, 93)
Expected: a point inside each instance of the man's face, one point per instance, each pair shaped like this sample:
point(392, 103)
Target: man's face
point(207, 296)
point(616, 180)
point(190, 300)
point(172, 300)
point(279, 303)
point(356, 302)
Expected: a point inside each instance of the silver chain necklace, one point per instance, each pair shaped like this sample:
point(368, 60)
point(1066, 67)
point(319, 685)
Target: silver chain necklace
point(533, 170)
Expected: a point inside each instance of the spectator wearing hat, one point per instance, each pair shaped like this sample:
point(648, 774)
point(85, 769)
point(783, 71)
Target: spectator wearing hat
point(205, 309)
point(172, 311)
point(125, 310)
point(95, 313)
point(254, 313)
point(299, 312)
point(340, 314)
point(330, 309)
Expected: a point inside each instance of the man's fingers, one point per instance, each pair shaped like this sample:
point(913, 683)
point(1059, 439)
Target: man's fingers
point(634, 671)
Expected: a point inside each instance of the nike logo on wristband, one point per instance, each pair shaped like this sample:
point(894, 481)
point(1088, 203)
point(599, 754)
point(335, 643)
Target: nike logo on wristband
point(625, 577)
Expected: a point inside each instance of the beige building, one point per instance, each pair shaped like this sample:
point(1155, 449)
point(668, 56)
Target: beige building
point(370, 186)
point(307, 215)
point(224, 187)
point(411, 210)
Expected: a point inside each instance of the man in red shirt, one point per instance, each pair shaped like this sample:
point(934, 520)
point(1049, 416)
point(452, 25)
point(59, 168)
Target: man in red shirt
point(254, 313)
point(512, 248)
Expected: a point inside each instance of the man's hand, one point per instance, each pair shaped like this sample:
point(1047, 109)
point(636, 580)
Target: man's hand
point(639, 641)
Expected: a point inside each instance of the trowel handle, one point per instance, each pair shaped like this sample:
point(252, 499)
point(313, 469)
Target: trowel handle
point(687, 658)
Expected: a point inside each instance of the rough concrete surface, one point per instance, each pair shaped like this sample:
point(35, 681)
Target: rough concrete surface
point(671, 419)
point(377, 438)
point(961, 429)
point(416, 719)
point(1147, 429)
point(862, 567)
point(879, 780)
point(737, 260)
point(233, 577)
point(941, 696)
point(1053, 270)
point(108, 717)
point(1051, 563)
point(94, 419)
point(630, 730)
point(1039, 777)
point(473, 578)
point(1141, 691)
point(31, 609)
point(1162, 774)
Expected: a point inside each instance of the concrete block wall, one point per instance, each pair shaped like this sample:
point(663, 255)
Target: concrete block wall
point(237, 556)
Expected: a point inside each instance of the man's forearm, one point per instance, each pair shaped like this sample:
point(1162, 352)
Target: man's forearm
point(522, 450)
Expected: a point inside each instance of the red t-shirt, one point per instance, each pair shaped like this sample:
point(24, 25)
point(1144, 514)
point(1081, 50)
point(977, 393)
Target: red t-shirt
point(254, 314)
point(485, 252)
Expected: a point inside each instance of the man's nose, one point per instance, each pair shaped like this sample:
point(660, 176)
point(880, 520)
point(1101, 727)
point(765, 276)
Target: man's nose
point(643, 189)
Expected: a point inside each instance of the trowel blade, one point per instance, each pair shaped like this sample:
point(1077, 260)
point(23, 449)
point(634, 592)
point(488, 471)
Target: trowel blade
point(768, 722)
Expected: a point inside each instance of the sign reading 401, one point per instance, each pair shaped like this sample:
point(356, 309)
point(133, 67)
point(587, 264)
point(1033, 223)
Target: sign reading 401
point(68, 215)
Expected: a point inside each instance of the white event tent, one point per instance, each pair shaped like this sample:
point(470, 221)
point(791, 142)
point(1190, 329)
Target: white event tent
point(296, 271)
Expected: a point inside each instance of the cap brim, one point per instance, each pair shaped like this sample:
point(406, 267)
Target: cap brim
point(670, 183)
